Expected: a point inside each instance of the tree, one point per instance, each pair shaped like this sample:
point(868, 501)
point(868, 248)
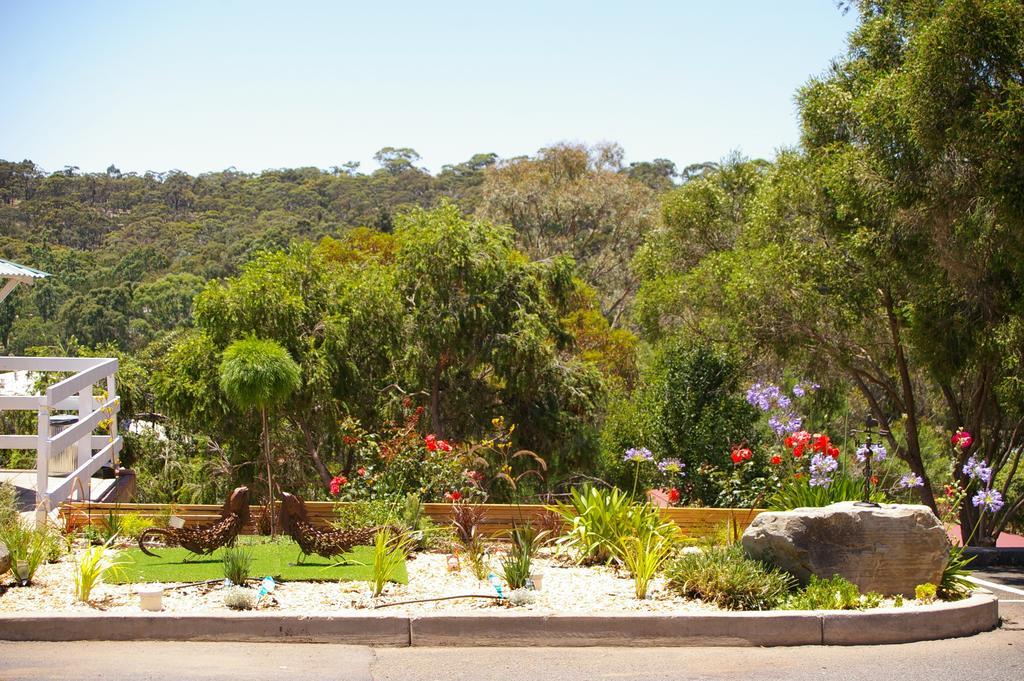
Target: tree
point(573, 200)
point(258, 374)
point(888, 249)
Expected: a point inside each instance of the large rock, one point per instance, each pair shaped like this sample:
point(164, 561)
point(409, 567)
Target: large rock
point(890, 549)
point(5, 559)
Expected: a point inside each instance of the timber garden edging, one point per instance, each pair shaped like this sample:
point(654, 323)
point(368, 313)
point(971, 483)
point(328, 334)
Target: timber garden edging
point(694, 521)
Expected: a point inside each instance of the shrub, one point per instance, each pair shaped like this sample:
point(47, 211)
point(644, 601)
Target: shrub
point(26, 543)
point(925, 592)
point(466, 520)
point(359, 514)
point(237, 564)
point(416, 522)
point(516, 565)
point(601, 520)
point(389, 551)
point(93, 565)
point(798, 493)
point(726, 577)
point(835, 593)
point(644, 557)
point(955, 583)
point(8, 510)
point(126, 526)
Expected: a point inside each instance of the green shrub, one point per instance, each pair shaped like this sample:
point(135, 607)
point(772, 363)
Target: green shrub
point(26, 543)
point(644, 557)
point(726, 577)
point(601, 521)
point(955, 583)
point(420, 527)
point(237, 563)
point(93, 565)
point(926, 592)
point(358, 514)
point(798, 493)
point(8, 510)
point(389, 551)
point(835, 593)
point(127, 526)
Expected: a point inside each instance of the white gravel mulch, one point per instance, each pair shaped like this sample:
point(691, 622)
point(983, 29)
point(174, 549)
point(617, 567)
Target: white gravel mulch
point(565, 590)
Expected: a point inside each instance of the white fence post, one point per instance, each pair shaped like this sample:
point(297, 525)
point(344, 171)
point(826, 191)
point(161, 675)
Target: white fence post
point(43, 463)
point(111, 392)
point(85, 407)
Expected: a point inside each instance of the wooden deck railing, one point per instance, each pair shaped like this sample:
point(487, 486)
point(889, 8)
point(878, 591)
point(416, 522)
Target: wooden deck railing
point(694, 522)
point(94, 412)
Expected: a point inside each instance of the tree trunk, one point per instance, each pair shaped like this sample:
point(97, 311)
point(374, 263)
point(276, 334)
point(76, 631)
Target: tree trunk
point(270, 475)
point(435, 402)
point(313, 450)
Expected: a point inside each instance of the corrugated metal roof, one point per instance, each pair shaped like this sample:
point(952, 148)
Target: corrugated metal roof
point(13, 269)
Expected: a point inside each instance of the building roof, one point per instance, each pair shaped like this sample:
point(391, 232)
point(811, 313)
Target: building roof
point(10, 269)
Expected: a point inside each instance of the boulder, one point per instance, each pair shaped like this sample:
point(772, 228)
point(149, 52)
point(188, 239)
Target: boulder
point(889, 549)
point(5, 559)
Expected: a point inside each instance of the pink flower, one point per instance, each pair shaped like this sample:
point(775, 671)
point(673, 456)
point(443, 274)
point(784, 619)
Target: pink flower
point(962, 439)
point(361, 471)
point(444, 445)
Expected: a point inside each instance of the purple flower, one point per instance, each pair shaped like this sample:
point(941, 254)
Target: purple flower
point(638, 455)
point(875, 452)
point(978, 470)
point(988, 500)
point(798, 390)
point(671, 466)
point(910, 480)
point(821, 469)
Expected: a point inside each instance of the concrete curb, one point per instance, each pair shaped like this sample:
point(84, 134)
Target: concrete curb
point(976, 614)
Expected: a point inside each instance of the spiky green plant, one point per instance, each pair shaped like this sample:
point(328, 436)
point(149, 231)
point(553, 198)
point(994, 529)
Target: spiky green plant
point(389, 551)
point(644, 557)
point(237, 563)
point(955, 583)
point(94, 564)
point(26, 544)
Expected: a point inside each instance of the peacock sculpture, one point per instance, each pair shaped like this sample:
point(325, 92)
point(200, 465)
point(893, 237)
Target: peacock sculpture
point(205, 539)
point(294, 521)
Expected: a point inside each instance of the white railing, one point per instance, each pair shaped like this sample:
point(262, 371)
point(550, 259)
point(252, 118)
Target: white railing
point(74, 393)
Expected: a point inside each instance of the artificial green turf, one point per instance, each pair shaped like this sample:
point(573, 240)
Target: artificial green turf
point(270, 557)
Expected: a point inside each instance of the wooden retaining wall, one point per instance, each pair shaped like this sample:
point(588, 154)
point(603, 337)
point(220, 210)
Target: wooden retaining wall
point(695, 522)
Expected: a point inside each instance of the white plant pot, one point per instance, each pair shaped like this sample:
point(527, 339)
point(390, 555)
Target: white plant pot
point(151, 597)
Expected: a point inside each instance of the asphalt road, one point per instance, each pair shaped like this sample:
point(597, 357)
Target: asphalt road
point(993, 656)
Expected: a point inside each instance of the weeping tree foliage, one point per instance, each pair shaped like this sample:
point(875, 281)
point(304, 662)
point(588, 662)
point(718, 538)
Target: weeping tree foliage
point(258, 374)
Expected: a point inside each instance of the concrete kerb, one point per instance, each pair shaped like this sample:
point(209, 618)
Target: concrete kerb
point(774, 628)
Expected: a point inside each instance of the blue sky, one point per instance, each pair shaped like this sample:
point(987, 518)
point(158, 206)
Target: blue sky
point(202, 86)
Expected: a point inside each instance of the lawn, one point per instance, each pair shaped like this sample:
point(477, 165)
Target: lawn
point(273, 558)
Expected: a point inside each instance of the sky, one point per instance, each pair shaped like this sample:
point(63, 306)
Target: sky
point(207, 85)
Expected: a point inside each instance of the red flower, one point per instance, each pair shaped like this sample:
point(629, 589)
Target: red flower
point(798, 475)
point(475, 476)
point(673, 496)
point(776, 460)
point(798, 451)
point(833, 451)
point(736, 457)
point(419, 410)
point(821, 442)
point(349, 439)
point(431, 442)
point(874, 479)
point(444, 445)
point(453, 496)
point(962, 439)
point(789, 442)
point(337, 482)
point(361, 471)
